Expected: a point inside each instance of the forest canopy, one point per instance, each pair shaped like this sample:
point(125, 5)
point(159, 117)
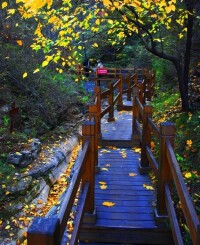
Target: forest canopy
point(63, 29)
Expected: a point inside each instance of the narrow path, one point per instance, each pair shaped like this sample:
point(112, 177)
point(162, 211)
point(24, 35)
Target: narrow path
point(125, 189)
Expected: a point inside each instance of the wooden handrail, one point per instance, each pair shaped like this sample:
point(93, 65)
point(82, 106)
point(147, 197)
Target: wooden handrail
point(166, 169)
point(45, 231)
point(182, 191)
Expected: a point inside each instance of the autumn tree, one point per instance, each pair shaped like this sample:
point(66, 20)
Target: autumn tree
point(164, 27)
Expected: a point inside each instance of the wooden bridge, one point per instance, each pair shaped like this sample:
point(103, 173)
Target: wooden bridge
point(118, 203)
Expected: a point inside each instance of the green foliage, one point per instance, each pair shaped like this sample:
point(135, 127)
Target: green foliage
point(6, 120)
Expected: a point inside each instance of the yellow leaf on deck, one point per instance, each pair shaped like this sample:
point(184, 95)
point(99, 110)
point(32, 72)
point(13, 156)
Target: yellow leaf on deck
point(103, 187)
point(108, 204)
point(137, 150)
point(108, 165)
point(105, 169)
point(132, 174)
point(102, 183)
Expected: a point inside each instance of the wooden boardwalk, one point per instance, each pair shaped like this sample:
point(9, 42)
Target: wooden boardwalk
point(131, 219)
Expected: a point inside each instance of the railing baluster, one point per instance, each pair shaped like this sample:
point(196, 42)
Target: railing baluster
point(120, 102)
point(88, 132)
point(146, 138)
point(167, 130)
point(110, 101)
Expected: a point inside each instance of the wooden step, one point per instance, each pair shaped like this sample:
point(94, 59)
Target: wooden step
point(122, 235)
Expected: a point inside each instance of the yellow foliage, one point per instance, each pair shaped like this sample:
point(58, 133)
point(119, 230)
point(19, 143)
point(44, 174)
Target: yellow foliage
point(188, 175)
point(4, 5)
point(25, 74)
point(108, 204)
point(148, 187)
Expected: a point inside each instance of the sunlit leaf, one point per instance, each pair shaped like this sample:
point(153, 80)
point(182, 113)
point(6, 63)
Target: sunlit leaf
point(19, 42)
point(102, 183)
point(25, 74)
point(103, 187)
point(132, 174)
point(104, 169)
point(36, 70)
point(148, 187)
point(108, 204)
point(4, 5)
point(45, 63)
point(188, 175)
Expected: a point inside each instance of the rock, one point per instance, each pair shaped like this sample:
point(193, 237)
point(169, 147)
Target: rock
point(20, 159)
point(41, 199)
point(35, 147)
point(44, 168)
point(25, 157)
point(20, 186)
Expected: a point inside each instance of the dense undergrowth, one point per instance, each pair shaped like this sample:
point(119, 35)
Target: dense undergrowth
point(166, 107)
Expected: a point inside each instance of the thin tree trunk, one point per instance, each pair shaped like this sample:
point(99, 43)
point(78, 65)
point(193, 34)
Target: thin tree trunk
point(186, 70)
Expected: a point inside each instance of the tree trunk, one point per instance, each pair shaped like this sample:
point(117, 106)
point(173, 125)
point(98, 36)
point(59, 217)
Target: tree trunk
point(187, 56)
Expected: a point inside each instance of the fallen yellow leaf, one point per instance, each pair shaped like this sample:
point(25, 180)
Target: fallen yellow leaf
point(148, 187)
point(105, 169)
point(102, 183)
point(132, 174)
point(7, 227)
point(138, 150)
point(103, 187)
point(108, 204)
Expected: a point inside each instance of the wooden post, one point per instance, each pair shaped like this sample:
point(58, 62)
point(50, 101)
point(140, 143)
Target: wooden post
point(44, 231)
point(95, 110)
point(146, 138)
point(88, 132)
point(129, 87)
point(111, 104)
point(145, 87)
point(167, 131)
point(135, 111)
point(119, 102)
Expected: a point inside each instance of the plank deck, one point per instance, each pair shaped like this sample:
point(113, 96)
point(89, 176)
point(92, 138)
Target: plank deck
point(131, 219)
point(120, 129)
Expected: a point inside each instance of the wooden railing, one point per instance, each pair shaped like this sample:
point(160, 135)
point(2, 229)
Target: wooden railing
point(107, 74)
point(166, 169)
point(115, 91)
point(50, 231)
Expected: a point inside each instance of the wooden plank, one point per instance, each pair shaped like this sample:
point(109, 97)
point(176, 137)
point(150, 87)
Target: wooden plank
point(117, 216)
point(126, 223)
point(113, 197)
point(126, 203)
